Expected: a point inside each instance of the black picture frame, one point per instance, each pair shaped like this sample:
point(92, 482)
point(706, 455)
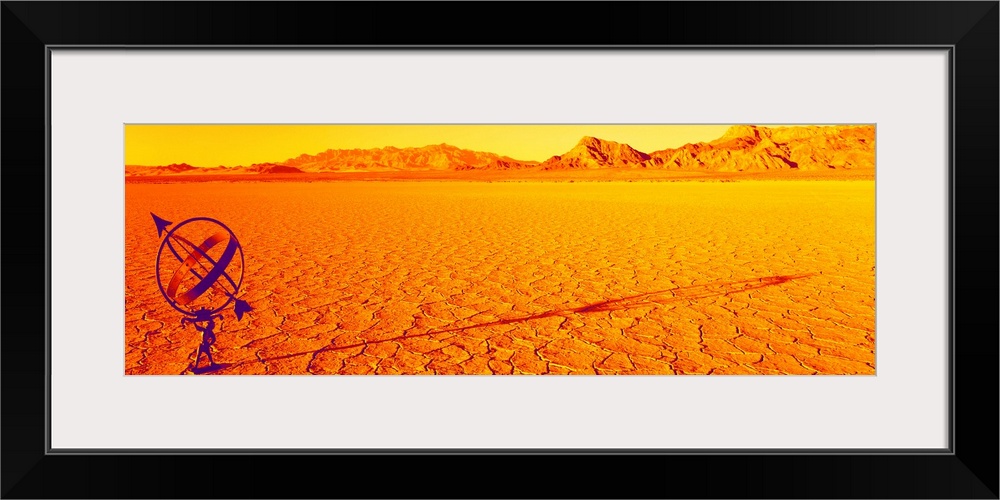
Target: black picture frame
point(968, 30)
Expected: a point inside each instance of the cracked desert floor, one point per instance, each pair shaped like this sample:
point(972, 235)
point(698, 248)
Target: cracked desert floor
point(746, 277)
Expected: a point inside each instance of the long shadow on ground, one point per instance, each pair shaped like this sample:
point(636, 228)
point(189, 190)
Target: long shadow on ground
point(679, 294)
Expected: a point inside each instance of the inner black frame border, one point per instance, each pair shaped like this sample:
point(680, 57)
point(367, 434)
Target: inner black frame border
point(968, 30)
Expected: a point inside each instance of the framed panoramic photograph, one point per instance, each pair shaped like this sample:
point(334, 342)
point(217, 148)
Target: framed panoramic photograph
point(713, 252)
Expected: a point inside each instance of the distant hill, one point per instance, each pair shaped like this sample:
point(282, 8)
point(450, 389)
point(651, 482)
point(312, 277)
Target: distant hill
point(754, 149)
point(173, 168)
point(185, 169)
point(743, 148)
point(428, 158)
point(269, 168)
point(592, 152)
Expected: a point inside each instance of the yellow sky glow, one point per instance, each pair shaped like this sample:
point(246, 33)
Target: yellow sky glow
point(231, 145)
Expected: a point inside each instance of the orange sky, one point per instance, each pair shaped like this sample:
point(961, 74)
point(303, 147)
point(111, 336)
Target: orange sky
point(231, 145)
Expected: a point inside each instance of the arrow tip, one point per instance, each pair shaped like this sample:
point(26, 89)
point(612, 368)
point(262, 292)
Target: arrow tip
point(161, 224)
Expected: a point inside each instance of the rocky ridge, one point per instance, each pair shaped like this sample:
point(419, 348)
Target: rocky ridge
point(743, 148)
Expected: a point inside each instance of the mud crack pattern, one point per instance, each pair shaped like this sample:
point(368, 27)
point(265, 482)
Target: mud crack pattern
point(755, 277)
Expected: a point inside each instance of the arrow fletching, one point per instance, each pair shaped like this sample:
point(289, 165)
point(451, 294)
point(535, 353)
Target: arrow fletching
point(240, 308)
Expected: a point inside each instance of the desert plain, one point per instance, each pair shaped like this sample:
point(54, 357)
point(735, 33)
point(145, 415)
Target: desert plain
point(533, 276)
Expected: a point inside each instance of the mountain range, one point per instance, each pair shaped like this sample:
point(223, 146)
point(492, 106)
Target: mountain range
point(743, 148)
